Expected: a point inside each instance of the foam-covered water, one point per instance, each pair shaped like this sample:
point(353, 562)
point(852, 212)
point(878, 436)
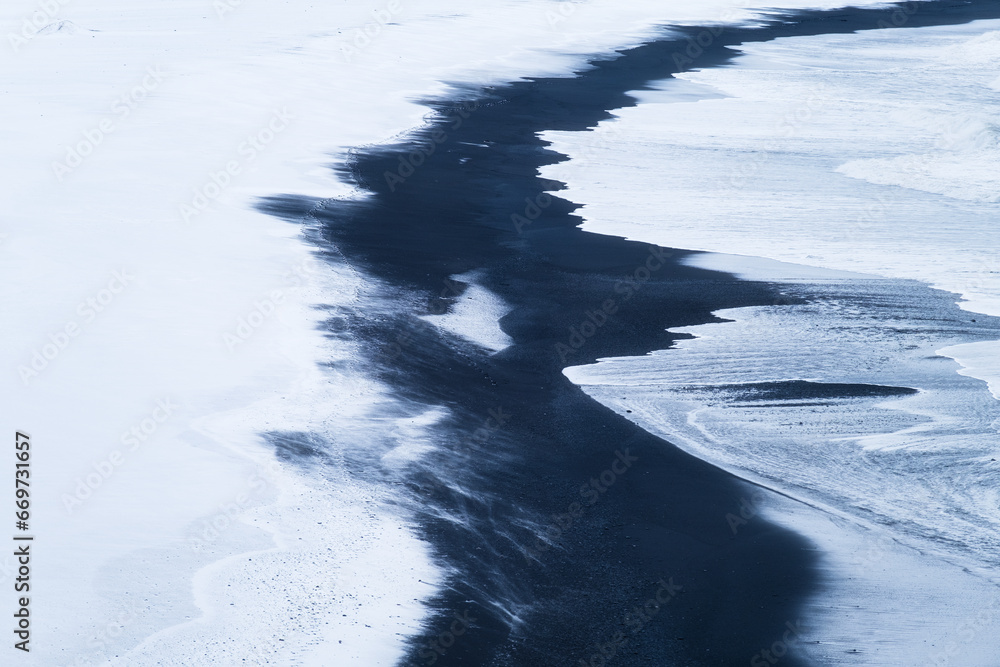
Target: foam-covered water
point(828, 403)
point(776, 158)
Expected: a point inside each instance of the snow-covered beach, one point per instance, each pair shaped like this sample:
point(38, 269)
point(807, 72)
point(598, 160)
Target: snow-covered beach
point(163, 335)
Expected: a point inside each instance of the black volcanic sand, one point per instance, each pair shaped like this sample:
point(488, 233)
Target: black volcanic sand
point(549, 581)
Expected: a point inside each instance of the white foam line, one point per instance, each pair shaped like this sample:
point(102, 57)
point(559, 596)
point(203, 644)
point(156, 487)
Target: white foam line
point(980, 361)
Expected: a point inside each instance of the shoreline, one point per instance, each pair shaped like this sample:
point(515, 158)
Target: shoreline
point(463, 196)
point(447, 203)
point(198, 326)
